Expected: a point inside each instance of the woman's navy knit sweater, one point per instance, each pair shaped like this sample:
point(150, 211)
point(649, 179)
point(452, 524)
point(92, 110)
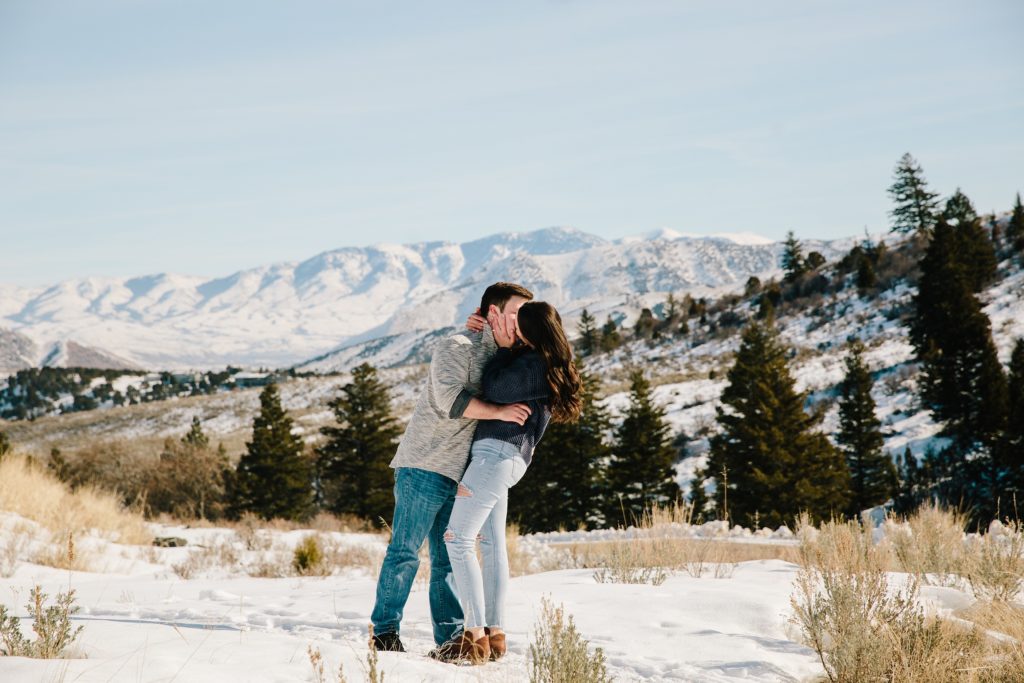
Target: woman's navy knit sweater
point(518, 376)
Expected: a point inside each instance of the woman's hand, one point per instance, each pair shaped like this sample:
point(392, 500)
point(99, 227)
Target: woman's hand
point(503, 325)
point(515, 412)
point(475, 322)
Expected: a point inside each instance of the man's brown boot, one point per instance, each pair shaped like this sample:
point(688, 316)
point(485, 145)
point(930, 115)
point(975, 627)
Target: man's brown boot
point(497, 643)
point(464, 649)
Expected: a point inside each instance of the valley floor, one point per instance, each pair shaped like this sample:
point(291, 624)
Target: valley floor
point(143, 622)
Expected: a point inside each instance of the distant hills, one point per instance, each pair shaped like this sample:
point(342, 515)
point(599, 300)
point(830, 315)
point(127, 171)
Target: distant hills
point(383, 303)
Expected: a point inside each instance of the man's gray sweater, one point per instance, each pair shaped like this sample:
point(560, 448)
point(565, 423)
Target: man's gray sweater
point(438, 437)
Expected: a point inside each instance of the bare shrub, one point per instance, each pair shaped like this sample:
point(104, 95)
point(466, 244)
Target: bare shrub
point(51, 623)
point(559, 654)
point(220, 554)
point(15, 541)
point(931, 545)
point(274, 565)
point(249, 533)
point(187, 481)
point(62, 554)
point(355, 556)
point(110, 466)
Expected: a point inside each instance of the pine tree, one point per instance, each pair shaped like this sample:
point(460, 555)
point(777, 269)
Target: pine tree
point(815, 260)
point(1013, 454)
point(959, 209)
point(698, 496)
point(872, 472)
point(671, 307)
point(561, 488)
point(274, 476)
point(645, 326)
point(793, 262)
point(776, 463)
point(1015, 228)
point(976, 251)
point(674, 316)
point(641, 473)
point(911, 490)
point(590, 340)
point(995, 231)
point(963, 383)
point(866, 278)
point(610, 337)
point(353, 465)
point(195, 437)
point(916, 206)
point(770, 298)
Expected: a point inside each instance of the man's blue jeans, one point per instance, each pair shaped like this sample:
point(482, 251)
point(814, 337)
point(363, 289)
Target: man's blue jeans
point(423, 504)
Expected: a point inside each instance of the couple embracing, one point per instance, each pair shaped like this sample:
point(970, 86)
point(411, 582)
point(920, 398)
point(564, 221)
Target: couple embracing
point(488, 398)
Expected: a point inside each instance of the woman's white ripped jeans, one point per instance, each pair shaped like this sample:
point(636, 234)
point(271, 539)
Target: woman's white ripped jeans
point(481, 506)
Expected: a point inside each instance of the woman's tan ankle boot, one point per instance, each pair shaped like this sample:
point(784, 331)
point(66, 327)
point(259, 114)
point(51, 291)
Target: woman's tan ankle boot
point(497, 643)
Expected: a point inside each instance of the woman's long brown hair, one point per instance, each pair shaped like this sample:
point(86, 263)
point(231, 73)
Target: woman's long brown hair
point(542, 327)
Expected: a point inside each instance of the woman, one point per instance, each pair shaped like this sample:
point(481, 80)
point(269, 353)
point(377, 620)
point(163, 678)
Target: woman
point(539, 371)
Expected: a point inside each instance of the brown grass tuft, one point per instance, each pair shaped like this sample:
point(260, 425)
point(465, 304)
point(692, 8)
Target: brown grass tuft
point(30, 491)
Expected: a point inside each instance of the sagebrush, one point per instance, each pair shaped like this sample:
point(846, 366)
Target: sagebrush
point(51, 624)
point(560, 654)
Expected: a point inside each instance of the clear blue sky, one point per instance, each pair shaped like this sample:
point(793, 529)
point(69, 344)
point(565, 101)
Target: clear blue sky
point(201, 136)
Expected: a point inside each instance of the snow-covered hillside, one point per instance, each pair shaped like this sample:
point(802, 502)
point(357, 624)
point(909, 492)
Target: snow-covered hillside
point(378, 303)
point(688, 374)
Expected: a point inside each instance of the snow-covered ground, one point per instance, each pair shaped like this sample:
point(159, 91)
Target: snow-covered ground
point(144, 622)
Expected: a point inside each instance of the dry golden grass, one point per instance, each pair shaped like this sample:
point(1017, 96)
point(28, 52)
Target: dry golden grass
point(519, 560)
point(863, 630)
point(30, 491)
point(931, 545)
point(657, 550)
point(1005, 619)
point(994, 563)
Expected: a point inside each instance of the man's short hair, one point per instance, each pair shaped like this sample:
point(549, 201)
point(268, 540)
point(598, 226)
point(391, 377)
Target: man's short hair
point(499, 293)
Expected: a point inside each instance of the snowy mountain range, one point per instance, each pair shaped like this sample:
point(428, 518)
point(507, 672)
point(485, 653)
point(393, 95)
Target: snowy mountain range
point(382, 303)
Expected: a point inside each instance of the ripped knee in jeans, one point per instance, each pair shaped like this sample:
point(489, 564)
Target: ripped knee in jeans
point(449, 536)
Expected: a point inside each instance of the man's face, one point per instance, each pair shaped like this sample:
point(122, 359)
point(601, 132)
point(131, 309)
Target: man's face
point(514, 304)
point(511, 306)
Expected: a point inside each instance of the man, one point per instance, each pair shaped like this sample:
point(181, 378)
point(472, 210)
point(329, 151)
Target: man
point(429, 463)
